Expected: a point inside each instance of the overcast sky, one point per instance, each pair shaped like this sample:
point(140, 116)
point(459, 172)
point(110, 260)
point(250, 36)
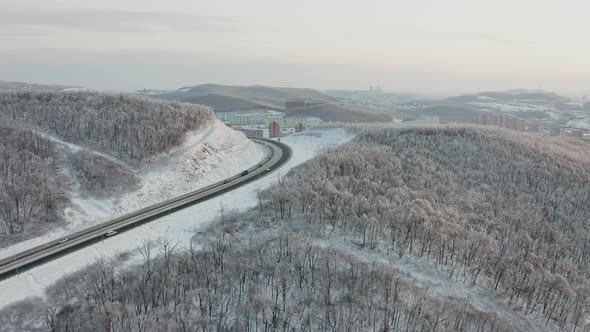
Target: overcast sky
point(427, 46)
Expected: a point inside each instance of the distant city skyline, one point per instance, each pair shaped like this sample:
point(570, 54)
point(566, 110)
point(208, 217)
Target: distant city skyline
point(428, 47)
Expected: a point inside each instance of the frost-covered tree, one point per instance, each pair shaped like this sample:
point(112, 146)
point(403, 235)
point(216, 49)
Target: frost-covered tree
point(129, 128)
point(126, 126)
point(504, 212)
point(29, 193)
point(476, 202)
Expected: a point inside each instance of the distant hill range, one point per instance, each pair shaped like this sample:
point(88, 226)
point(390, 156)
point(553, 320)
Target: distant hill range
point(331, 112)
point(392, 97)
point(23, 87)
point(539, 96)
point(224, 98)
point(292, 101)
point(528, 104)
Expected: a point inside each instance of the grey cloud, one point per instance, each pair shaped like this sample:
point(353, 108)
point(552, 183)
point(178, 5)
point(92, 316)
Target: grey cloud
point(41, 21)
point(466, 36)
point(23, 31)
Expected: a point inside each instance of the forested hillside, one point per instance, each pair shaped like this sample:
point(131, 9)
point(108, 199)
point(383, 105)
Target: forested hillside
point(489, 208)
point(22, 87)
point(30, 195)
point(331, 112)
point(232, 98)
point(126, 126)
point(266, 279)
point(225, 98)
point(108, 135)
point(417, 229)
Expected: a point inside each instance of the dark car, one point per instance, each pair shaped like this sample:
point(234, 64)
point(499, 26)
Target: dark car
point(245, 173)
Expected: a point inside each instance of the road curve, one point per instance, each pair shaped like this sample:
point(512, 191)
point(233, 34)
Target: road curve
point(279, 154)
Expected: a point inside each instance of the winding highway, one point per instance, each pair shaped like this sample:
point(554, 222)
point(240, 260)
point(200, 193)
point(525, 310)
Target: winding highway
point(278, 155)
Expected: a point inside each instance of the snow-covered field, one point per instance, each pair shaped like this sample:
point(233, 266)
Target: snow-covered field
point(180, 226)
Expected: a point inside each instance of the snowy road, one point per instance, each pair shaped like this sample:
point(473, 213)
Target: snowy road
point(179, 227)
point(279, 154)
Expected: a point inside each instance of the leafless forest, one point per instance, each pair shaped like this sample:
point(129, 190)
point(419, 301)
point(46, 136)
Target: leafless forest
point(125, 129)
point(489, 210)
point(255, 273)
point(29, 192)
point(126, 126)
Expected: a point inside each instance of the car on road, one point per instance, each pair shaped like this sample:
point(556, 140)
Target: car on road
point(244, 173)
point(64, 240)
point(111, 233)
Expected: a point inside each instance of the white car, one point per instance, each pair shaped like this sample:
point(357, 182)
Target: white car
point(111, 233)
point(64, 240)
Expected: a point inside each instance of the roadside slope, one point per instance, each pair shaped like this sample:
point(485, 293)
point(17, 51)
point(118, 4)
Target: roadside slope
point(102, 155)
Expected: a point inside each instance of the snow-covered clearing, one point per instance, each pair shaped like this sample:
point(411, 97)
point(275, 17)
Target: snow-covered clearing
point(180, 226)
point(73, 148)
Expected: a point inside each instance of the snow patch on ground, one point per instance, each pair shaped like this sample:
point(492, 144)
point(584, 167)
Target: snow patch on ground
point(485, 98)
point(73, 148)
point(177, 227)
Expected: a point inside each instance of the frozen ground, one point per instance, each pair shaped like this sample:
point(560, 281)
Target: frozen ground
point(207, 156)
point(178, 227)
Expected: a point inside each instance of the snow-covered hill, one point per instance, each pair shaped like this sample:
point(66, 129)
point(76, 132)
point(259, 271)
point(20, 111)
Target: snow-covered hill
point(207, 155)
point(179, 227)
point(59, 146)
